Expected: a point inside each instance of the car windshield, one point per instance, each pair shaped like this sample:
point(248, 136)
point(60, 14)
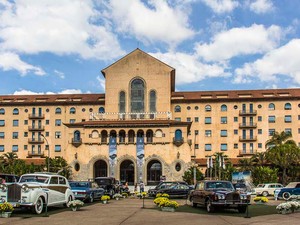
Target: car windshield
point(219, 185)
point(260, 185)
point(32, 178)
point(79, 184)
point(104, 181)
point(163, 185)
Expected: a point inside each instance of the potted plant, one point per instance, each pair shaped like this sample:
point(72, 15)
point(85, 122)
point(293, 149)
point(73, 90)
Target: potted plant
point(117, 196)
point(260, 199)
point(6, 209)
point(125, 195)
point(141, 194)
point(105, 199)
point(168, 205)
point(75, 204)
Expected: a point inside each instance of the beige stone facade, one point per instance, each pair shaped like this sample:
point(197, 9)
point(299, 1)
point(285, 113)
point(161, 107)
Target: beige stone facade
point(140, 103)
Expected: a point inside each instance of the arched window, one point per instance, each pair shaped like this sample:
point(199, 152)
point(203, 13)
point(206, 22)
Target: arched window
point(122, 136)
point(177, 108)
point(178, 135)
point(223, 108)
point(131, 135)
point(149, 136)
point(158, 133)
point(15, 111)
point(287, 106)
point(2, 111)
point(137, 96)
point(58, 111)
point(122, 101)
point(72, 110)
point(207, 108)
point(271, 106)
point(113, 134)
point(152, 105)
point(76, 136)
point(104, 136)
point(101, 110)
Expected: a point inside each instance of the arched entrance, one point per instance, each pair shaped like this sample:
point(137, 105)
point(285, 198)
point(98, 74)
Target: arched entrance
point(100, 169)
point(154, 172)
point(127, 172)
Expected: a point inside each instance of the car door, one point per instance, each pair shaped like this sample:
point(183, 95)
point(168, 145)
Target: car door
point(57, 190)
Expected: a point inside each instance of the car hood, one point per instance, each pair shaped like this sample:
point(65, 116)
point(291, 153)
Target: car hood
point(33, 184)
point(225, 192)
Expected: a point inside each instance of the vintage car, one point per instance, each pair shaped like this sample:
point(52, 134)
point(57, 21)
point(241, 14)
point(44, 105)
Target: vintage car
point(176, 190)
point(37, 190)
point(292, 188)
point(267, 189)
point(162, 185)
point(109, 184)
point(86, 190)
point(8, 178)
point(213, 194)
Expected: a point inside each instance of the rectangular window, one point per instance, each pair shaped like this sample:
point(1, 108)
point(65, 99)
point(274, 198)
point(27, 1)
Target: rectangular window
point(236, 132)
point(15, 135)
point(259, 118)
point(223, 133)
point(188, 119)
point(207, 120)
point(25, 134)
point(271, 119)
point(223, 120)
point(196, 119)
point(57, 122)
point(259, 145)
point(298, 130)
point(57, 134)
point(259, 131)
point(288, 119)
point(223, 147)
point(47, 147)
point(288, 130)
point(196, 146)
point(298, 117)
point(236, 146)
point(1, 148)
point(2, 136)
point(235, 119)
point(57, 148)
point(207, 147)
point(15, 148)
point(47, 122)
point(47, 134)
point(15, 123)
point(2, 123)
point(25, 122)
point(196, 132)
point(25, 147)
point(72, 120)
point(271, 132)
point(207, 133)
point(177, 119)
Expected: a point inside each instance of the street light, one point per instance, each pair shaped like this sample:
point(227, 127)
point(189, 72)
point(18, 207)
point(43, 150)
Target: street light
point(48, 163)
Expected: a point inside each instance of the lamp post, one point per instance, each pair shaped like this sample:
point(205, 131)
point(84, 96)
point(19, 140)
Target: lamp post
point(48, 163)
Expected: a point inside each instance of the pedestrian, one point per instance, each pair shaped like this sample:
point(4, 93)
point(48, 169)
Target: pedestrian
point(142, 186)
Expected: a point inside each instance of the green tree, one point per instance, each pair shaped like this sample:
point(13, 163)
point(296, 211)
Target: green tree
point(259, 159)
point(245, 164)
point(188, 175)
point(227, 173)
point(263, 174)
point(59, 165)
point(279, 139)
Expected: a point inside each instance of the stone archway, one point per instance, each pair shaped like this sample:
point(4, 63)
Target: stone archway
point(154, 172)
point(127, 173)
point(100, 169)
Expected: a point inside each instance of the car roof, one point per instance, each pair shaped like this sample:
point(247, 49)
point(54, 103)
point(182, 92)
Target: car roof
point(42, 174)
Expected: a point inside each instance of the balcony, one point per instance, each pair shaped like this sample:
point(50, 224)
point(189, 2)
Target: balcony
point(248, 125)
point(76, 142)
point(178, 141)
point(34, 154)
point(36, 140)
point(248, 112)
point(247, 152)
point(36, 128)
point(36, 116)
point(131, 116)
point(247, 138)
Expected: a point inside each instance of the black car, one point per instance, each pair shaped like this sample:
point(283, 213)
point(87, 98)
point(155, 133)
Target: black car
point(109, 184)
point(162, 185)
point(214, 194)
point(8, 178)
point(176, 190)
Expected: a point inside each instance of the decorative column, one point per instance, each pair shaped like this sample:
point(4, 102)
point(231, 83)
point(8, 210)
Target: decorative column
point(140, 160)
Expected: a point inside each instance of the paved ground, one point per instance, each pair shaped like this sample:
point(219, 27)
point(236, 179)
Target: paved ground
point(130, 212)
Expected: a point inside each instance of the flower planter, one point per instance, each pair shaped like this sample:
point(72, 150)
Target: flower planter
point(167, 209)
point(6, 214)
point(104, 202)
point(117, 199)
point(75, 208)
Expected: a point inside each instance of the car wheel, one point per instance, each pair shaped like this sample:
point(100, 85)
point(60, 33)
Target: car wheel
point(193, 203)
point(242, 209)
point(265, 193)
point(91, 198)
point(209, 207)
point(70, 198)
point(286, 195)
point(39, 206)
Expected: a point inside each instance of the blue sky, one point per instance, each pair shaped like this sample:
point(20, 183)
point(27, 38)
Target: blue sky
point(61, 46)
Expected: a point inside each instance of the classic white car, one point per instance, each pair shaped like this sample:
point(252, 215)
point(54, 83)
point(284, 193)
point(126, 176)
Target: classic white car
point(36, 191)
point(267, 189)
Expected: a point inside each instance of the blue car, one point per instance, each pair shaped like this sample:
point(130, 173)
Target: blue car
point(292, 188)
point(86, 190)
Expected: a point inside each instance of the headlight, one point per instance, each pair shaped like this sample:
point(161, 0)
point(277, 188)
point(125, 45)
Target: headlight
point(25, 188)
point(243, 197)
point(221, 196)
point(3, 187)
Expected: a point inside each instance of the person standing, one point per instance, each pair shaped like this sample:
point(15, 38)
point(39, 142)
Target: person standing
point(142, 186)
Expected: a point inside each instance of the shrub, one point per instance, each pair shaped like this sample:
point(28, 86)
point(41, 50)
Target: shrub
point(105, 198)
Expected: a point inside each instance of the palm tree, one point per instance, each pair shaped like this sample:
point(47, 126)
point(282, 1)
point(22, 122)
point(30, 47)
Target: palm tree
point(9, 158)
point(259, 159)
point(246, 164)
point(279, 139)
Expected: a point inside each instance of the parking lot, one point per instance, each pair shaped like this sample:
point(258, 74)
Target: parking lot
point(131, 211)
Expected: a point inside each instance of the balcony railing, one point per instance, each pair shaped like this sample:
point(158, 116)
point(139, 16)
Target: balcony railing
point(76, 142)
point(248, 138)
point(248, 112)
point(248, 125)
point(36, 116)
point(247, 152)
point(36, 140)
point(36, 128)
point(131, 116)
point(178, 141)
point(35, 154)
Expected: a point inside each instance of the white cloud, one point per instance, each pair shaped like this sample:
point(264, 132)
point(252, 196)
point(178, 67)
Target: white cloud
point(11, 61)
point(66, 91)
point(155, 20)
point(240, 41)
point(284, 61)
point(60, 74)
point(70, 91)
point(101, 82)
point(189, 69)
point(261, 6)
point(221, 6)
point(60, 27)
